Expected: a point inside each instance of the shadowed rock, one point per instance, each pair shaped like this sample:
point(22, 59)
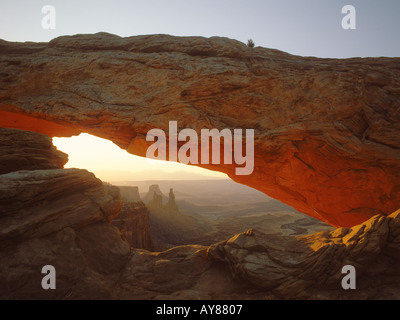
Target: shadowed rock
point(34, 203)
point(23, 150)
point(133, 222)
point(310, 266)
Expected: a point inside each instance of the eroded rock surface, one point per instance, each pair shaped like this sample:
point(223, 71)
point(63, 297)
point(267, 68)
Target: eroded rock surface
point(95, 262)
point(326, 130)
point(57, 217)
point(134, 224)
point(34, 203)
point(310, 266)
point(24, 150)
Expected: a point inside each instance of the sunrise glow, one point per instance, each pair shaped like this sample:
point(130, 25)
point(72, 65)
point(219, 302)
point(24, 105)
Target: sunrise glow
point(109, 162)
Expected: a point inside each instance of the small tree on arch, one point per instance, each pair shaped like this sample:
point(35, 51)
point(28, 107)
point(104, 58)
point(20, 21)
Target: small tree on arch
point(250, 43)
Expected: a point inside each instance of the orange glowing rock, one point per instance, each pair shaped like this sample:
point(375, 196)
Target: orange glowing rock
point(327, 131)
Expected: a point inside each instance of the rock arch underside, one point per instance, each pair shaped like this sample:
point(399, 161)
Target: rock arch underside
point(326, 142)
point(326, 130)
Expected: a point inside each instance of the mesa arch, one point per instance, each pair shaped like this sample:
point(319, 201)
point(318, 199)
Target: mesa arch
point(326, 130)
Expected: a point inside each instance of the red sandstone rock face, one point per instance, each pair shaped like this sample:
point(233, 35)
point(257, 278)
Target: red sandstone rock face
point(326, 130)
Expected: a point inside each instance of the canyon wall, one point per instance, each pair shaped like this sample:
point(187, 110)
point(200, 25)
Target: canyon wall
point(134, 224)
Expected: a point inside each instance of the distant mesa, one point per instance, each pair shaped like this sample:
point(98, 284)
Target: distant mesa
point(129, 193)
point(153, 189)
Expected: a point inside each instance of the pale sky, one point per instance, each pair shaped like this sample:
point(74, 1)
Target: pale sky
point(101, 156)
point(302, 27)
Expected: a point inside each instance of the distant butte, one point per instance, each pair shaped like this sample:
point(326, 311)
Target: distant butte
point(327, 131)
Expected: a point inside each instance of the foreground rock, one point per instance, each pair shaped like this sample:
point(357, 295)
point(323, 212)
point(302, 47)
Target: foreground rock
point(326, 130)
point(94, 262)
point(39, 202)
point(24, 150)
point(57, 217)
point(310, 266)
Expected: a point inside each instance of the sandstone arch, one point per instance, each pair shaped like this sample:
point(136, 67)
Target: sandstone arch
point(327, 130)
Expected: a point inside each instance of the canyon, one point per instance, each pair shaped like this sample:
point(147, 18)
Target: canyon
point(202, 212)
point(326, 142)
point(63, 217)
point(326, 130)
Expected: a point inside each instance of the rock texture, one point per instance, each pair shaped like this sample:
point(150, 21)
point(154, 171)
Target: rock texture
point(134, 224)
point(310, 266)
point(326, 130)
point(23, 150)
point(34, 203)
point(54, 216)
point(93, 261)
